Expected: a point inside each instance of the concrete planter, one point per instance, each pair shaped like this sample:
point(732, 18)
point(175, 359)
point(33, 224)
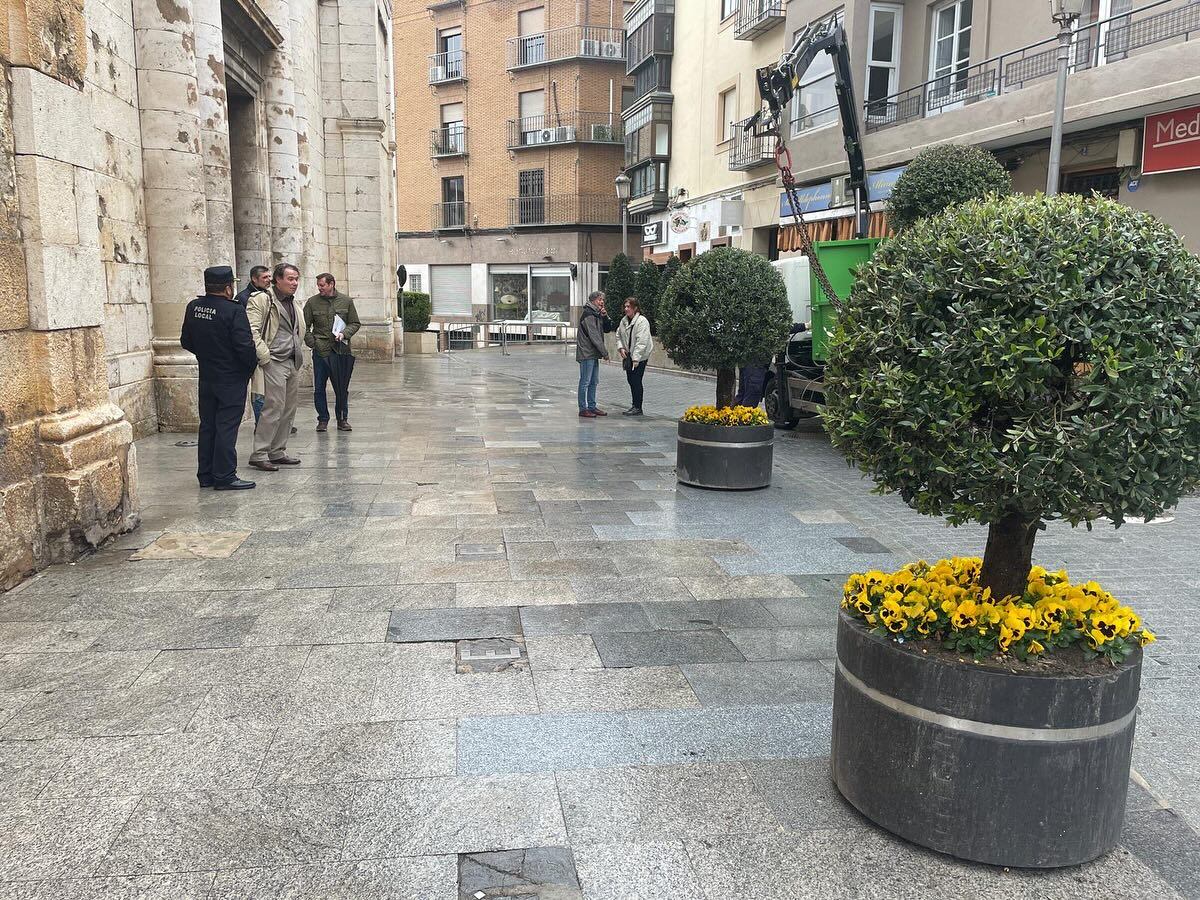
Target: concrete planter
point(730, 458)
point(420, 343)
point(983, 764)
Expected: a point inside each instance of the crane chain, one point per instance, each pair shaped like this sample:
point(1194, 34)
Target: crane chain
point(783, 160)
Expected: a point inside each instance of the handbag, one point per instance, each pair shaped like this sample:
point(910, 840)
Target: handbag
point(627, 360)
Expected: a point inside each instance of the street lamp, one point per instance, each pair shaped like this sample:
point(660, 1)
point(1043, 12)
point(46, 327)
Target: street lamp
point(622, 183)
point(1064, 12)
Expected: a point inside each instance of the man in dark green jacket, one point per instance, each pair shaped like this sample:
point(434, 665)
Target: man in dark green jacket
point(332, 359)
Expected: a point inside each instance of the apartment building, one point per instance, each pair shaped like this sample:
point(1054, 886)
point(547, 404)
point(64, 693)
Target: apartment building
point(983, 72)
point(702, 179)
point(507, 209)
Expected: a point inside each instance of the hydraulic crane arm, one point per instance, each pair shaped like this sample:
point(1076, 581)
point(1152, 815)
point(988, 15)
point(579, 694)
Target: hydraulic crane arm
point(778, 84)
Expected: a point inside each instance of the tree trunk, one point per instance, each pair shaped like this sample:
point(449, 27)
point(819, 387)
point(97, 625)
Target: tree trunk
point(1008, 555)
point(726, 381)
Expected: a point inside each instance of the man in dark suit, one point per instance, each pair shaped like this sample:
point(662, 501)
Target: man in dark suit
point(216, 330)
point(260, 280)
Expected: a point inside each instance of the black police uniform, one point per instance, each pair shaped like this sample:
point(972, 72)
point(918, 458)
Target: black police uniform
point(217, 331)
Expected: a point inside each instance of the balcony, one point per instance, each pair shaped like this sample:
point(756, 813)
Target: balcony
point(455, 216)
point(748, 152)
point(448, 141)
point(560, 44)
point(564, 209)
point(447, 68)
point(1095, 45)
point(573, 128)
point(757, 17)
point(649, 31)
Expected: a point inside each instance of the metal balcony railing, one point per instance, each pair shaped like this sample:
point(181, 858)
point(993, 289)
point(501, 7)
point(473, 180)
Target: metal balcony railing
point(572, 128)
point(1094, 45)
point(649, 30)
point(747, 151)
point(564, 209)
point(449, 140)
point(454, 216)
point(447, 67)
point(756, 17)
point(572, 42)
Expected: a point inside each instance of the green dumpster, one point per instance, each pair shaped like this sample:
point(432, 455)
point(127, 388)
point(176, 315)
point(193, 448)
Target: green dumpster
point(838, 259)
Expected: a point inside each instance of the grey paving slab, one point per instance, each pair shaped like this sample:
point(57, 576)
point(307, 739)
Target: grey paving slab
point(819, 642)
point(394, 596)
point(632, 590)
point(241, 708)
point(176, 633)
point(664, 648)
point(641, 870)
point(423, 625)
point(532, 872)
point(51, 637)
point(187, 886)
point(405, 696)
point(367, 751)
point(749, 683)
point(125, 606)
point(246, 603)
point(258, 666)
point(584, 618)
point(661, 803)
point(137, 710)
point(1167, 845)
point(604, 690)
point(742, 587)
point(554, 652)
point(43, 839)
point(551, 742)
point(514, 593)
point(26, 767)
point(455, 815)
point(302, 629)
point(11, 703)
point(804, 612)
point(412, 878)
point(71, 671)
point(203, 830)
point(699, 614)
point(802, 795)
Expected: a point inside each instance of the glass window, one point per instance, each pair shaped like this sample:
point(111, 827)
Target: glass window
point(532, 109)
point(510, 293)
point(728, 8)
point(815, 103)
point(883, 62)
point(550, 295)
point(726, 114)
point(950, 51)
point(531, 28)
point(414, 282)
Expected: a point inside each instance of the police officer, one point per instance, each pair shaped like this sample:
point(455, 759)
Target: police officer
point(216, 330)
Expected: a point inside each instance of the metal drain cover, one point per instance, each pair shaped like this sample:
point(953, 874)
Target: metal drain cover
point(491, 655)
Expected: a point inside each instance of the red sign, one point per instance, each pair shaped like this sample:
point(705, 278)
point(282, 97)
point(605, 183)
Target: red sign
point(1171, 141)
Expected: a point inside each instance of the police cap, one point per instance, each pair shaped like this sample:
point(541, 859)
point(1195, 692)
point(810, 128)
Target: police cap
point(218, 275)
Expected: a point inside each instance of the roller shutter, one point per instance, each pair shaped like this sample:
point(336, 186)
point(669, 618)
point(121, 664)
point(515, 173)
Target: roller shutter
point(450, 290)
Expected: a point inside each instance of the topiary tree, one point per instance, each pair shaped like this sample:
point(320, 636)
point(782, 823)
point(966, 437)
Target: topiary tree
point(1018, 360)
point(620, 284)
point(415, 309)
point(647, 288)
point(942, 176)
point(724, 308)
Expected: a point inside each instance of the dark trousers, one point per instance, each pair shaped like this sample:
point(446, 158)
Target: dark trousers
point(634, 377)
point(752, 380)
point(221, 410)
point(341, 398)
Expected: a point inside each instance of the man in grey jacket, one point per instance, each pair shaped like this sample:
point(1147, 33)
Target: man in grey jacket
point(589, 350)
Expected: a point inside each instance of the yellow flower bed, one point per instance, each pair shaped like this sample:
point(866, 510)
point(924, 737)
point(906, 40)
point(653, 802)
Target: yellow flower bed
point(730, 415)
point(944, 602)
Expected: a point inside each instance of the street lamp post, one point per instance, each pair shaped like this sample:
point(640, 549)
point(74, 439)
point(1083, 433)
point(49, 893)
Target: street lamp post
point(622, 184)
point(1064, 12)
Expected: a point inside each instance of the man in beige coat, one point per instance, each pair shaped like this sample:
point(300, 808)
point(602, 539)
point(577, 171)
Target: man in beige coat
point(277, 323)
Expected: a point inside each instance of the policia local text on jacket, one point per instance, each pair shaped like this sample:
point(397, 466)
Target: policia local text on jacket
point(328, 352)
point(216, 330)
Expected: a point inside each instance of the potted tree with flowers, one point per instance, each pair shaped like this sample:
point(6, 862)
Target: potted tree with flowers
point(723, 310)
point(1009, 361)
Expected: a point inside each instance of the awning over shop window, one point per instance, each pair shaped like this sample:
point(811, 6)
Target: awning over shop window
point(841, 229)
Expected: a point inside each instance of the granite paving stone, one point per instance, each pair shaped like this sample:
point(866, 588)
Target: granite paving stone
point(529, 872)
point(641, 870)
point(26, 768)
point(742, 587)
point(664, 648)
point(749, 683)
point(697, 614)
point(242, 708)
point(554, 652)
point(137, 710)
point(71, 671)
point(394, 596)
point(202, 830)
point(411, 878)
point(405, 696)
point(584, 618)
point(11, 703)
point(463, 814)
point(604, 690)
point(51, 637)
point(804, 612)
point(423, 625)
point(514, 593)
point(256, 666)
point(818, 642)
point(42, 839)
point(176, 633)
point(186, 886)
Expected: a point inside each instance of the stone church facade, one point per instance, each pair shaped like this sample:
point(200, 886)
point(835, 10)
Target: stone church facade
point(141, 141)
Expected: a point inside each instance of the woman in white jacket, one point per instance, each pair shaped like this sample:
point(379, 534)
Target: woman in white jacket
point(635, 343)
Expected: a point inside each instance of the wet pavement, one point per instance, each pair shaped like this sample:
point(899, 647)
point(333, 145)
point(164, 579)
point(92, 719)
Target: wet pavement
point(480, 648)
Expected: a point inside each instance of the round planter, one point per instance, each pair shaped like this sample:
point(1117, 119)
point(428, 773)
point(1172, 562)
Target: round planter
point(986, 765)
point(731, 458)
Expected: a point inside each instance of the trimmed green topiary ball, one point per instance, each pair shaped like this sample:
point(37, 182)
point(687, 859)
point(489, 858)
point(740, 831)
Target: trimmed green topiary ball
point(416, 310)
point(1028, 357)
point(942, 176)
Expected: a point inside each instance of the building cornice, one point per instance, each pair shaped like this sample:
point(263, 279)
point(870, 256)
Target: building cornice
point(254, 22)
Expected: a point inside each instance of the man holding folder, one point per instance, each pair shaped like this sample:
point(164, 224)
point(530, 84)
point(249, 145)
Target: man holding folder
point(330, 320)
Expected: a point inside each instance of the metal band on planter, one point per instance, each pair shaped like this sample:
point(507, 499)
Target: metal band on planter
point(729, 444)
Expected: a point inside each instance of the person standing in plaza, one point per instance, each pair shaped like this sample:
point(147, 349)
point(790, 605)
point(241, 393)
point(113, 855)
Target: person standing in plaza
point(589, 350)
point(330, 320)
point(277, 325)
point(217, 331)
point(260, 279)
point(635, 343)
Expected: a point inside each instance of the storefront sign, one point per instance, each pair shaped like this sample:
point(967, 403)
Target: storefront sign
point(1171, 141)
point(654, 233)
point(820, 196)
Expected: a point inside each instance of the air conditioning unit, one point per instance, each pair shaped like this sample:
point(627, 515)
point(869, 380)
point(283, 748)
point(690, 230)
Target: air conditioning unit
point(545, 136)
point(590, 48)
point(839, 191)
point(611, 50)
point(564, 134)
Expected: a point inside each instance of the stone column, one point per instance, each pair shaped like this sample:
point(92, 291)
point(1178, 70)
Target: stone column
point(173, 171)
point(283, 154)
point(214, 134)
